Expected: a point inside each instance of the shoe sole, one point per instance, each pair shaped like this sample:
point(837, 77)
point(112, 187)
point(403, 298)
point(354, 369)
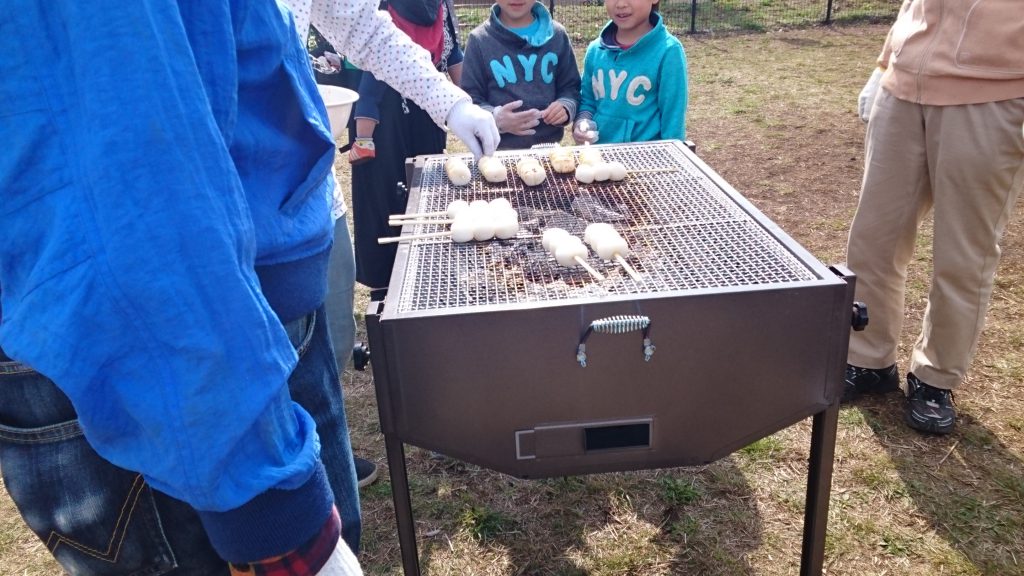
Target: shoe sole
point(871, 390)
point(928, 425)
point(364, 482)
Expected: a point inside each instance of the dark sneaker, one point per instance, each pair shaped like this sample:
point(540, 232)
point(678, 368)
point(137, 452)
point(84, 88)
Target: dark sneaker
point(869, 381)
point(366, 471)
point(929, 409)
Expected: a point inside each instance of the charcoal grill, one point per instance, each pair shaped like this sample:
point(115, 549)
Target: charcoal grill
point(493, 354)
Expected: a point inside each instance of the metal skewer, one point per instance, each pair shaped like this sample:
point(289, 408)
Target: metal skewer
point(416, 215)
point(651, 170)
point(394, 222)
point(410, 237)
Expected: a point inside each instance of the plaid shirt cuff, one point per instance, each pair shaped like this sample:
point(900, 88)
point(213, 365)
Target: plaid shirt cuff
point(306, 560)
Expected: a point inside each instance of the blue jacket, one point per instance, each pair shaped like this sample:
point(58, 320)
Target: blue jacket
point(637, 94)
point(163, 200)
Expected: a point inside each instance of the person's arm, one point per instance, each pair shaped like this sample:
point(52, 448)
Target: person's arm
point(474, 74)
point(126, 259)
point(672, 93)
point(567, 77)
point(588, 103)
point(370, 91)
point(883, 58)
point(455, 57)
point(372, 42)
point(455, 73)
point(584, 129)
point(369, 38)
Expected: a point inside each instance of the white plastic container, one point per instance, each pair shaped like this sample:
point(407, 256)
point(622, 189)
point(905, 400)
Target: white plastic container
point(339, 102)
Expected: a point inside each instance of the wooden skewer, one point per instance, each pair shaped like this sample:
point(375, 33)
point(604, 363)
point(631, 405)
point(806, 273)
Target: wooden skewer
point(629, 269)
point(410, 237)
point(411, 221)
point(597, 275)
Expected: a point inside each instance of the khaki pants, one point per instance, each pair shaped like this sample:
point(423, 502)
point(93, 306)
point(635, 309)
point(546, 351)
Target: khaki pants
point(967, 164)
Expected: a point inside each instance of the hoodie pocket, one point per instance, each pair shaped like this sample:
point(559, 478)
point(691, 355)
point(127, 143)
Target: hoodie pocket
point(992, 39)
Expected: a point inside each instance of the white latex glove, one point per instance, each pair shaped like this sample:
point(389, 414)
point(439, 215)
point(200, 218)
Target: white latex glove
point(584, 131)
point(511, 120)
point(475, 127)
point(867, 96)
point(341, 563)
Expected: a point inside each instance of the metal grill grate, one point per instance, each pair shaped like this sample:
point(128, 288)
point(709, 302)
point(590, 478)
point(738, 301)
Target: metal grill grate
point(685, 232)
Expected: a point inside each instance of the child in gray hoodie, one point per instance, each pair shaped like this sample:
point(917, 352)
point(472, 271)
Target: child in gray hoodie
point(520, 65)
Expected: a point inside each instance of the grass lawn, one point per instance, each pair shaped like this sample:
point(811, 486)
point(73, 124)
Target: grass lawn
point(775, 115)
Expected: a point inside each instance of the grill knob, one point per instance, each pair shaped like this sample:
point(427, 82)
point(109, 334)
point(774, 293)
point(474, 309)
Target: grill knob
point(360, 356)
point(859, 318)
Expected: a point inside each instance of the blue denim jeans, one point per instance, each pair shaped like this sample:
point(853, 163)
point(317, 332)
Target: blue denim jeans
point(341, 282)
point(98, 519)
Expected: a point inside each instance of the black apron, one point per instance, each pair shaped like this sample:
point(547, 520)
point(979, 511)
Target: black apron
point(375, 191)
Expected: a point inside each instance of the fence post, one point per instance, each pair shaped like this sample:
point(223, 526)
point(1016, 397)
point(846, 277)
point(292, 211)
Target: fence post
point(828, 12)
point(693, 16)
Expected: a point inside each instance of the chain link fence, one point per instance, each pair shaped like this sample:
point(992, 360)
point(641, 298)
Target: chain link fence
point(583, 19)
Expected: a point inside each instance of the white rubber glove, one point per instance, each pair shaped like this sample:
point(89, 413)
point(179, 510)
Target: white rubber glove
point(867, 96)
point(475, 127)
point(341, 563)
point(511, 120)
point(584, 131)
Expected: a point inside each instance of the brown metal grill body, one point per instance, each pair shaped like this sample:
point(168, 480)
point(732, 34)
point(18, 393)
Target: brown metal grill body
point(480, 339)
point(475, 348)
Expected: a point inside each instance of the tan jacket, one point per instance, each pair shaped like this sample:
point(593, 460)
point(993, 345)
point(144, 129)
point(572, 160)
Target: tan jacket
point(945, 52)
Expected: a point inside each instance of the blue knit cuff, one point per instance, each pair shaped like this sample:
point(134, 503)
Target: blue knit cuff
point(273, 523)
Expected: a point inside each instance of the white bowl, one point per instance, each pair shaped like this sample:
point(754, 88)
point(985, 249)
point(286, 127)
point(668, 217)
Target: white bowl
point(339, 102)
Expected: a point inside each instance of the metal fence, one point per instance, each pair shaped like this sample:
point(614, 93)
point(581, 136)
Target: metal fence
point(583, 19)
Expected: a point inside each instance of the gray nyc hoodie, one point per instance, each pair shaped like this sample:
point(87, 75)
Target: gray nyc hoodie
point(501, 67)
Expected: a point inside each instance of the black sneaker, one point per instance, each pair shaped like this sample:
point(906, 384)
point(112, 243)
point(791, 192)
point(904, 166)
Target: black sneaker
point(869, 381)
point(366, 472)
point(929, 409)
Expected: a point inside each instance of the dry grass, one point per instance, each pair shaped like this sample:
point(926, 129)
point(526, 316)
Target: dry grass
point(775, 115)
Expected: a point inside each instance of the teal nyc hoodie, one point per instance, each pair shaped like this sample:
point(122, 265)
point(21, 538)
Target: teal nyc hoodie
point(638, 93)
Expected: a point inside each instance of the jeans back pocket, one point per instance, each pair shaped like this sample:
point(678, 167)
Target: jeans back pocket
point(94, 517)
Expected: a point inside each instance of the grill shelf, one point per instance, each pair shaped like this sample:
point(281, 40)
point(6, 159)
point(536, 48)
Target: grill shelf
point(492, 353)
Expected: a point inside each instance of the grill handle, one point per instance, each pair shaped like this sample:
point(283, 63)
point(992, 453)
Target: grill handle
point(617, 325)
point(859, 318)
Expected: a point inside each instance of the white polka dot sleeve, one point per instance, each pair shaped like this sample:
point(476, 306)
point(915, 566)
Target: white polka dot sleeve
point(368, 37)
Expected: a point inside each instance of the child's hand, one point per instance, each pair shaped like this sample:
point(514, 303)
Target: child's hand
point(519, 123)
point(584, 131)
point(555, 114)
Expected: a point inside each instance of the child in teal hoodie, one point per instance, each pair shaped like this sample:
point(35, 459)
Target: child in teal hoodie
point(634, 79)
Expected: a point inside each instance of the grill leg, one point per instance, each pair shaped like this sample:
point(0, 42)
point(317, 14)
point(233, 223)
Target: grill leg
point(403, 504)
point(819, 487)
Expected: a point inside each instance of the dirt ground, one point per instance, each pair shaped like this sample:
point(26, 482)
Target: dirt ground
point(775, 115)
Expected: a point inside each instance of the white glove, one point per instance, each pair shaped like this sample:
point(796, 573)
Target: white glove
point(584, 131)
point(511, 120)
point(341, 563)
point(867, 96)
point(475, 127)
